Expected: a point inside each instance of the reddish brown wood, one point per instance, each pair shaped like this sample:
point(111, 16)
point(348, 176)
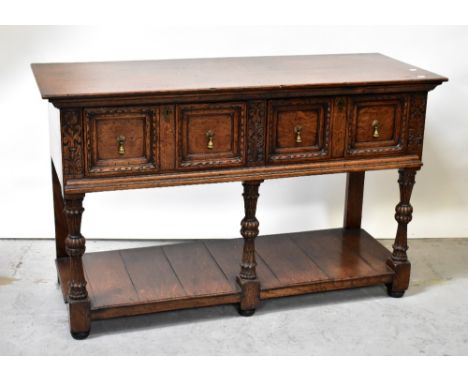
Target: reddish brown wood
point(295, 268)
point(121, 140)
point(245, 173)
point(128, 125)
point(157, 283)
point(196, 270)
point(167, 137)
point(211, 135)
point(78, 301)
point(353, 199)
point(248, 277)
point(299, 130)
point(61, 231)
point(377, 125)
point(404, 213)
point(209, 75)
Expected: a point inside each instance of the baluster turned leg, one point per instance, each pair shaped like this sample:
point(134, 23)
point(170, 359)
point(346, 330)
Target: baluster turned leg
point(399, 259)
point(78, 302)
point(247, 279)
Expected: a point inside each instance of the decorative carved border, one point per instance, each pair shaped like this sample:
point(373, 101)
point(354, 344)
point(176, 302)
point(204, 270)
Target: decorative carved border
point(256, 131)
point(152, 161)
point(322, 152)
point(417, 119)
point(72, 143)
point(351, 126)
point(215, 162)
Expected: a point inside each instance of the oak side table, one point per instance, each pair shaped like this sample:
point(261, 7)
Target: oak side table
point(127, 125)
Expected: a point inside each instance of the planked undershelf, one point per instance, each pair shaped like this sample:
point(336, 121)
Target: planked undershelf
point(202, 273)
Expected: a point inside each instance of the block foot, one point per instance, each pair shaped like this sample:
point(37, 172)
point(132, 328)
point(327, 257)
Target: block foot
point(394, 293)
point(79, 335)
point(246, 312)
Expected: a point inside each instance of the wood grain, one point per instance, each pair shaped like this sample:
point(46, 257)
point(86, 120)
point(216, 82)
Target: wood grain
point(143, 280)
point(65, 80)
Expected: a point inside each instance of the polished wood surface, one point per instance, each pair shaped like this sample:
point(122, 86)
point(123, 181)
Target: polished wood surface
point(64, 80)
point(131, 125)
point(121, 281)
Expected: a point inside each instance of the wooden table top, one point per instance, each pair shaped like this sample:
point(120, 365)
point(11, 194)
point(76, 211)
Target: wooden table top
point(69, 80)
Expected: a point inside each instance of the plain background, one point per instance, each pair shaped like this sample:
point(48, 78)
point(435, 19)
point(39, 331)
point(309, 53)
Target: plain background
point(440, 197)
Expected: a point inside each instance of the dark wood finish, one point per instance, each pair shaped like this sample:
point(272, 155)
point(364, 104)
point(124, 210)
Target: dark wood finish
point(247, 278)
point(129, 125)
point(121, 140)
point(78, 301)
point(211, 135)
point(403, 215)
point(299, 130)
point(61, 230)
point(376, 125)
point(73, 80)
point(155, 279)
point(353, 199)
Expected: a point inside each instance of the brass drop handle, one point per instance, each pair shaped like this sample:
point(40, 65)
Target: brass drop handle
point(121, 144)
point(210, 136)
point(376, 127)
point(297, 131)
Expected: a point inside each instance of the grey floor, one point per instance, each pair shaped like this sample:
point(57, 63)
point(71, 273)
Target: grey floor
point(432, 318)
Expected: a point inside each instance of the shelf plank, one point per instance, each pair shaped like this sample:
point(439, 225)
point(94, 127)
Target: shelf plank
point(203, 273)
point(196, 269)
point(332, 252)
point(287, 261)
point(141, 264)
point(109, 281)
point(228, 255)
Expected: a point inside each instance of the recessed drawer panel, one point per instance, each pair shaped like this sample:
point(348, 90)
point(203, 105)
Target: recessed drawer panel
point(299, 129)
point(211, 135)
point(376, 125)
point(121, 140)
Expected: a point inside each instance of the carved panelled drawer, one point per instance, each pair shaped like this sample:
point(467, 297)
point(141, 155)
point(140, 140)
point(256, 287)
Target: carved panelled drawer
point(211, 135)
point(145, 124)
point(377, 125)
point(121, 140)
point(298, 129)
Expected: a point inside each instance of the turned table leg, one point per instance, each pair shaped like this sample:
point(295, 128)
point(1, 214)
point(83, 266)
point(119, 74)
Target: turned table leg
point(78, 302)
point(353, 200)
point(399, 259)
point(247, 279)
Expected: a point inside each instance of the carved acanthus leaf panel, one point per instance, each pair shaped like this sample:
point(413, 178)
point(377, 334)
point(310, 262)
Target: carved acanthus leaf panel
point(72, 143)
point(416, 123)
point(256, 132)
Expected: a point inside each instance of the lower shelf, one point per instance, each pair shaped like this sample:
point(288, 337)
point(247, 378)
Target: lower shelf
point(202, 273)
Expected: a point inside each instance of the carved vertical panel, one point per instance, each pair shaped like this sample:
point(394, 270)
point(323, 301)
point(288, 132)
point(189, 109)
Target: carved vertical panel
point(417, 117)
point(256, 132)
point(72, 143)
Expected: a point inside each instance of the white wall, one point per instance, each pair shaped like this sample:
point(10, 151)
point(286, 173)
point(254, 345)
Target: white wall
point(440, 197)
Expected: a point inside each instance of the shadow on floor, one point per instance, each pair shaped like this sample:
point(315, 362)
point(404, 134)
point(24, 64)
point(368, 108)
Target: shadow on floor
point(187, 316)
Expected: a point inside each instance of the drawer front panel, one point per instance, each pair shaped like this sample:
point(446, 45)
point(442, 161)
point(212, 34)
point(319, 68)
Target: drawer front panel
point(377, 125)
point(211, 135)
point(298, 130)
point(121, 140)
